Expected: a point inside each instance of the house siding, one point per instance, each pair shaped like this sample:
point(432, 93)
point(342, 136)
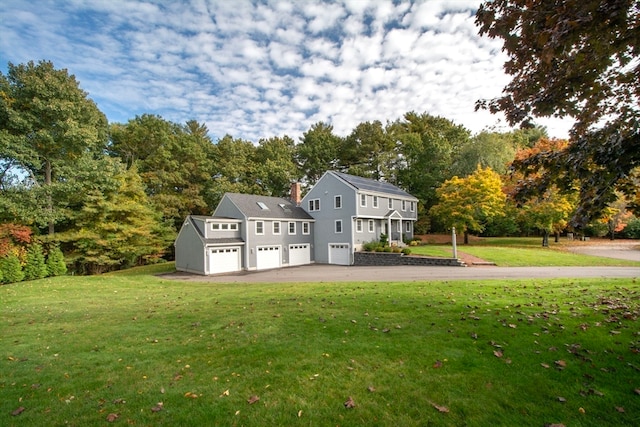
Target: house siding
point(190, 253)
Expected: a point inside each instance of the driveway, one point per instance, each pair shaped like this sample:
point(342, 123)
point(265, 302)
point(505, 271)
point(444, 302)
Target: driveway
point(338, 273)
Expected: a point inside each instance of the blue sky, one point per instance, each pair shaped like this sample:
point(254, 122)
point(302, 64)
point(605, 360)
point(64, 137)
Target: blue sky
point(258, 69)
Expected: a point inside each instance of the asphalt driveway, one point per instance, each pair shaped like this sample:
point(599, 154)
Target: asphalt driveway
point(338, 273)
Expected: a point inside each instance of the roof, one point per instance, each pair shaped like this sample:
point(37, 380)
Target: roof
point(367, 184)
point(253, 206)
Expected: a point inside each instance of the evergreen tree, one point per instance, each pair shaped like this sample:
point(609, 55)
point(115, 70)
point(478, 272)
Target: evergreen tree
point(11, 269)
point(35, 267)
point(55, 262)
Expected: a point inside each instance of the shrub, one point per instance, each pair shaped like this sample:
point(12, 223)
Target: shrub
point(414, 243)
point(387, 249)
point(35, 267)
point(11, 269)
point(395, 250)
point(632, 230)
point(406, 251)
point(370, 246)
point(55, 262)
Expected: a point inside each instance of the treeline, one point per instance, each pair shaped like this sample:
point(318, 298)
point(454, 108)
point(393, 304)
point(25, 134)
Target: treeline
point(111, 196)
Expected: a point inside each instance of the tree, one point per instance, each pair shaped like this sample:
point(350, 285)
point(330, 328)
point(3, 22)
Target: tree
point(468, 203)
point(11, 269)
point(368, 151)
point(35, 266)
point(548, 213)
point(427, 148)
point(46, 120)
point(275, 165)
point(576, 59)
point(317, 151)
point(56, 265)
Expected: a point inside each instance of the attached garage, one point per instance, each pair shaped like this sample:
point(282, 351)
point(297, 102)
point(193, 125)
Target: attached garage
point(224, 260)
point(300, 254)
point(268, 257)
point(339, 253)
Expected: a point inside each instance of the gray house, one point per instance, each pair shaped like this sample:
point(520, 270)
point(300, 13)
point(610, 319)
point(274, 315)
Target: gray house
point(350, 211)
point(338, 215)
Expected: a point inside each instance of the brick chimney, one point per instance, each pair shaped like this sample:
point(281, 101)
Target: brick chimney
point(295, 195)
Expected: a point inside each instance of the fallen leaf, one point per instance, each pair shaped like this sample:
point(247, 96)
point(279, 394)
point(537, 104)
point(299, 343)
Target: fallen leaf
point(581, 410)
point(544, 365)
point(18, 411)
point(371, 389)
point(620, 409)
point(561, 364)
point(440, 408)
point(562, 399)
point(497, 353)
point(119, 401)
point(112, 417)
point(253, 399)
point(637, 391)
point(554, 425)
point(299, 413)
point(225, 393)
point(438, 364)
point(350, 404)
point(159, 406)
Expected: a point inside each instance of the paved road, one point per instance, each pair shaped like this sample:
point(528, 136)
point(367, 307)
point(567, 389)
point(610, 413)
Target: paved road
point(338, 273)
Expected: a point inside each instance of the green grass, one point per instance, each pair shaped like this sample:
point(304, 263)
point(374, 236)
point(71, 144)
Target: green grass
point(75, 349)
point(521, 252)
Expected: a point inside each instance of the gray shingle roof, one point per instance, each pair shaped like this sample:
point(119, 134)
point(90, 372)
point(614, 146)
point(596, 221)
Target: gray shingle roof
point(276, 207)
point(367, 184)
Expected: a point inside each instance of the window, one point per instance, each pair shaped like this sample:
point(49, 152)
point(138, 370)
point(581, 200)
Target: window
point(404, 205)
point(223, 226)
point(259, 227)
point(215, 227)
point(305, 228)
point(398, 226)
point(390, 203)
point(314, 205)
point(371, 226)
point(337, 202)
point(363, 200)
point(375, 201)
point(233, 226)
point(292, 227)
point(407, 227)
point(413, 206)
point(338, 226)
point(276, 227)
point(359, 225)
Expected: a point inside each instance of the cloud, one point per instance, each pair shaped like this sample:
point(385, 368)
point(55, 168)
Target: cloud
point(257, 69)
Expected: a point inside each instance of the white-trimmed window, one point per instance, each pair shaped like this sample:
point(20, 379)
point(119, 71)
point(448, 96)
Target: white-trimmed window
point(292, 227)
point(276, 227)
point(390, 203)
point(305, 228)
point(363, 200)
point(337, 202)
point(398, 226)
point(314, 205)
point(407, 227)
point(215, 227)
point(404, 205)
point(338, 226)
point(375, 201)
point(359, 225)
point(260, 227)
point(371, 226)
point(412, 207)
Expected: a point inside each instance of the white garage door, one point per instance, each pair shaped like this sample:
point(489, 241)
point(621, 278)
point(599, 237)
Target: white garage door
point(224, 260)
point(339, 253)
point(268, 257)
point(300, 254)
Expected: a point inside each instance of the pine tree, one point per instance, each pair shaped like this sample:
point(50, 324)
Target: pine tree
point(35, 267)
point(55, 262)
point(11, 269)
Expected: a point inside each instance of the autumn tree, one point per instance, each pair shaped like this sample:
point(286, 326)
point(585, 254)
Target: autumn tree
point(576, 59)
point(468, 203)
point(46, 121)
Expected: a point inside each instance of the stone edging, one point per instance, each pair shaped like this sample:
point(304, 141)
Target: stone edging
point(390, 258)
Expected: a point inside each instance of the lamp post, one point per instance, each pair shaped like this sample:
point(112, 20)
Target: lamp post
point(453, 242)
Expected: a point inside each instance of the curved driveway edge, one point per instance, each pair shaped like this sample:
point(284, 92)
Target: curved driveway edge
point(337, 273)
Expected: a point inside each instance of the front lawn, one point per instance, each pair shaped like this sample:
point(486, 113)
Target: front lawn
point(136, 349)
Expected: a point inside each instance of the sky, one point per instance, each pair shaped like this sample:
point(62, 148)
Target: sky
point(261, 69)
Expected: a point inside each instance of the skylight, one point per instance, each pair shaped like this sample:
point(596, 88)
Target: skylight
point(263, 206)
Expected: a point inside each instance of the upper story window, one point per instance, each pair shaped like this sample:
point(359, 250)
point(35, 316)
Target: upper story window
point(412, 206)
point(337, 202)
point(390, 203)
point(305, 228)
point(314, 205)
point(363, 200)
point(404, 205)
point(224, 226)
point(276, 227)
point(375, 201)
point(292, 227)
point(259, 227)
point(338, 226)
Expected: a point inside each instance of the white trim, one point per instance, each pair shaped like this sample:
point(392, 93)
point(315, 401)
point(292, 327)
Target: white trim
point(359, 228)
point(371, 226)
point(335, 226)
point(289, 224)
point(256, 228)
point(363, 198)
point(336, 198)
point(273, 228)
point(308, 225)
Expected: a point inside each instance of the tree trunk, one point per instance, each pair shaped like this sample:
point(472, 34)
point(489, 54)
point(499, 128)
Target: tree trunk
point(545, 239)
point(466, 237)
point(557, 238)
point(47, 183)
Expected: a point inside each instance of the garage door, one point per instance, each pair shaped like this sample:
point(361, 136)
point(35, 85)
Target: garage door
point(339, 253)
point(224, 260)
point(268, 257)
point(300, 254)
